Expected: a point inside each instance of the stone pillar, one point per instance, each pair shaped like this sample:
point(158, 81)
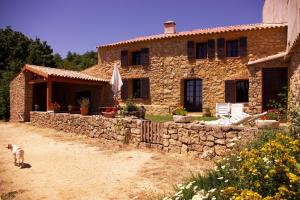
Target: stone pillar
point(49, 94)
point(255, 90)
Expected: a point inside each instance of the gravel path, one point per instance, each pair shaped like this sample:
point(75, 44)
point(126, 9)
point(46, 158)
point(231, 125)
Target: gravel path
point(68, 166)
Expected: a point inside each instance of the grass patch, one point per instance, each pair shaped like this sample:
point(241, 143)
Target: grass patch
point(166, 118)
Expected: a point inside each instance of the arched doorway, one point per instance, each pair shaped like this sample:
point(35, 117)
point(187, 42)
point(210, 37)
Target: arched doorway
point(193, 95)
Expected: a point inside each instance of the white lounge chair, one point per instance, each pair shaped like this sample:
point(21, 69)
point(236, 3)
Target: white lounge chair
point(222, 109)
point(242, 118)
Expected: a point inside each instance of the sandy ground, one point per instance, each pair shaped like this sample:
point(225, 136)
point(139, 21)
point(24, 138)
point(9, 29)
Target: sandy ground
point(68, 166)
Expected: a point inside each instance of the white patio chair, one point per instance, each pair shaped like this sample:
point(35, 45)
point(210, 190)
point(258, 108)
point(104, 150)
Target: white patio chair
point(222, 109)
point(236, 109)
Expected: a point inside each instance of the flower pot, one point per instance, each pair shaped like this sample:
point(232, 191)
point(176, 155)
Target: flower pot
point(267, 123)
point(109, 114)
point(84, 111)
point(182, 119)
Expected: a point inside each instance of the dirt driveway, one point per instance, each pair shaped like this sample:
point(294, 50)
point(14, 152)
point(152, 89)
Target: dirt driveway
point(68, 166)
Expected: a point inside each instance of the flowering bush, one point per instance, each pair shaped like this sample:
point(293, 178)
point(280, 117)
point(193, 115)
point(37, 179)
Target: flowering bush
point(269, 170)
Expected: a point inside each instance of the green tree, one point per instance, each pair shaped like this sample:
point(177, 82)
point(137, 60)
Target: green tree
point(16, 49)
point(74, 61)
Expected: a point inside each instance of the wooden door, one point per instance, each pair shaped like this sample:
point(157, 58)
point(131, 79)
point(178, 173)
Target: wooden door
point(193, 95)
point(275, 81)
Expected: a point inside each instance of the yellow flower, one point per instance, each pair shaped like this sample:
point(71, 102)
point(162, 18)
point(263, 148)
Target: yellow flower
point(293, 178)
point(248, 195)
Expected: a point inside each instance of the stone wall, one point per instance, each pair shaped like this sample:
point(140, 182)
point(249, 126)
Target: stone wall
point(118, 129)
point(203, 141)
point(17, 97)
point(190, 139)
point(169, 66)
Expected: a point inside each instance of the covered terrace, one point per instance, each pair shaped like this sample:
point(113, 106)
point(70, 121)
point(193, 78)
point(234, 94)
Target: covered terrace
point(46, 86)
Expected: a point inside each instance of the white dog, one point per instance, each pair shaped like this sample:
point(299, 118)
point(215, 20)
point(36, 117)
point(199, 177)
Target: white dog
point(18, 154)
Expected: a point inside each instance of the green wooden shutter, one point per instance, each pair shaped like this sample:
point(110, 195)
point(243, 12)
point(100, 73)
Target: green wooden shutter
point(145, 61)
point(243, 46)
point(211, 48)
point(230, 91)
point(124, 89)
point(221, 47)
point(191, 52)
point(124, 58)
point(145, 88)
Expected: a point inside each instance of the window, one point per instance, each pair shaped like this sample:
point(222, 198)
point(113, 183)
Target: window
point(136, 58)
point(236, 91)
point(232, 48)
point(242, 89)
point(201, 50)
point(136, 88)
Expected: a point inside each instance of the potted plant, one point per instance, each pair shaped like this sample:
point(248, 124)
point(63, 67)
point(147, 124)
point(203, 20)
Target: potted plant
point(180, 116)
point(270, 120)
point(84, 103)
point(131, 109)
point(206, 112)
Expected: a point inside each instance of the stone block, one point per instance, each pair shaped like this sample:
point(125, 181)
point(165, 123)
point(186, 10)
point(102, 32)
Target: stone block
point(184, 149)
point(220, 141)
point(220, 150)
point(210, 138)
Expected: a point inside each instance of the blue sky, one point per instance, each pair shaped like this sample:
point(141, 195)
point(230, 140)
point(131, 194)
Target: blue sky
point(81, 25)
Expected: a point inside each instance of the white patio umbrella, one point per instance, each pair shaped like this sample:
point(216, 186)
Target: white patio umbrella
point(116, 81)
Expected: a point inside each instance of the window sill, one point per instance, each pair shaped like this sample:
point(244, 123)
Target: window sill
point(135, 99)
point(135, 66)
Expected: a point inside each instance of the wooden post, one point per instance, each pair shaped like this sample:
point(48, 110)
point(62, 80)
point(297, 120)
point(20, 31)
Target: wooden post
point(49, 94)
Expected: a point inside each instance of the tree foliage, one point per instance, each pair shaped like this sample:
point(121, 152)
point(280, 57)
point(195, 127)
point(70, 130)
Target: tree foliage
point(16, 49)
point(74, 61)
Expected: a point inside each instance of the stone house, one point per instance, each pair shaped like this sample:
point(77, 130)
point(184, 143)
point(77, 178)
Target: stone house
point(199, 68)
point(195, 69)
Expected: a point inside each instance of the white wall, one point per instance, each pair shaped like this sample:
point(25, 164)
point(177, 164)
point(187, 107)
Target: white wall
point(275, 11)
point(293, 21)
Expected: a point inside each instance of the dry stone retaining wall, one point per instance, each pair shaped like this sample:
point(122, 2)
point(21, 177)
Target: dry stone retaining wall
point(191, 139)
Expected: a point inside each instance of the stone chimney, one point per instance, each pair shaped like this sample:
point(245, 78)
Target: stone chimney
point(170, 27)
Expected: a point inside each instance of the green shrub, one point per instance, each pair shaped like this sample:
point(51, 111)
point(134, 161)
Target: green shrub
point(180, 111)
point(130, 107)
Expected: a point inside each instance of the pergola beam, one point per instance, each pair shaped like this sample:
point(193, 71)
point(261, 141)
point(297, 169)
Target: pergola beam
point(49, 94)
point(40, 80)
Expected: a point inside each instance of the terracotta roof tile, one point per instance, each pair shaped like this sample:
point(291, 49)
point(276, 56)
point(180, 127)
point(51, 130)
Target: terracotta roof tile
point(224, 29)
point(48, 71)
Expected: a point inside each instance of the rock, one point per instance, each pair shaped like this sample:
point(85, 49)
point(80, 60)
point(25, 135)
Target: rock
point(210, 138)
point(220, 141)
point(220, 150)
point(172, 131)
point(184, 149)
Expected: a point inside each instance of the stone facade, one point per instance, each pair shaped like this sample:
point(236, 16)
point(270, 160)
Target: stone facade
point(169, 67)
point(294, 74)
point(191, 139)
point(20, 98)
